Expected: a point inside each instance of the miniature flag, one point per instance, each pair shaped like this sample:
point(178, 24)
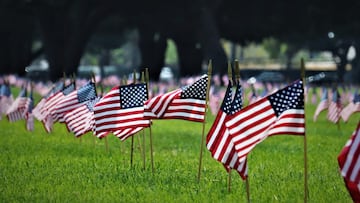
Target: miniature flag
point(279, 113)
point(120, 109)
point(188, 103)
point(218, 141)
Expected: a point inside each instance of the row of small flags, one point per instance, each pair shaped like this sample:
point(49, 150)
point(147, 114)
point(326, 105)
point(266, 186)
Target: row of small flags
point(331, 101)
point(126, 110)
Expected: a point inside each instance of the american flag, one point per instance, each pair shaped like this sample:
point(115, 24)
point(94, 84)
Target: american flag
point(6, 99)
point(29, 117)
point(81, 120)
point(39, 110)
point(335, 107)
point(218, 141)
point(188, 103)
point(122, 108)
point(17, 109)
point(349, 163)
point(279, 113)
point(323, 104)
point(74, 100)
point(51, 104)
point(351, 108)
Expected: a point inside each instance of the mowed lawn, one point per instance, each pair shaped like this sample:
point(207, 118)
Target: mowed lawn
point(57, 167)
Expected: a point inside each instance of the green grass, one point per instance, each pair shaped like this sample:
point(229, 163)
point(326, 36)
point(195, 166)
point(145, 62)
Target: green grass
point(40, 167)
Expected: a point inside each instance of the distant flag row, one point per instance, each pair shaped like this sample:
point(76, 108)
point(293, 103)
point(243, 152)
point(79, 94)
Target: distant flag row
point(123, 111)
point(333, 103)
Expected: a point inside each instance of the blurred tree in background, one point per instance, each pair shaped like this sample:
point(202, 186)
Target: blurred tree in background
point(141, 34)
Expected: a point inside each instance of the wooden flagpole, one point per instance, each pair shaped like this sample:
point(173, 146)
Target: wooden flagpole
point(143, 134)
point(204, 122)
point(305, 143)
point(101, 89)
point(231, 81)
point(151, 142)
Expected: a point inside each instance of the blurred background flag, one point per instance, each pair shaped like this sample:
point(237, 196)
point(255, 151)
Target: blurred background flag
point(335, 107)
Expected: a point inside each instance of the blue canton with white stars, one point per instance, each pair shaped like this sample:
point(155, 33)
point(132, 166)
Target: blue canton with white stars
point(87, 92)
point(237, 102)
point(196, 90)
point(133, 95)
point(291, 97)
point(227, 101)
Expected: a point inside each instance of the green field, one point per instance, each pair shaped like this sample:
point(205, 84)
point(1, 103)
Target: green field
point(40, 167)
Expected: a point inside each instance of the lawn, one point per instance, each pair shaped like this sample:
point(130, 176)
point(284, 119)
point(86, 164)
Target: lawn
point(57, 167)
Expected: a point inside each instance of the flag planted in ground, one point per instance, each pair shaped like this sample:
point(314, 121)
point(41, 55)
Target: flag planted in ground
point(279, 113)
point(122, 108)
point(187, 103)
point(349, 163)
point(218, 141)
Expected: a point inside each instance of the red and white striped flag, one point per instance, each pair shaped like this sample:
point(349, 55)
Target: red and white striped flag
point(188, 103)
point(279, 113)
point(17, 109)
point(335, 107)
point(349, 163)
point(218, 141)
point(323, 104)
point(40, 110)
point(81, 120)
point(73, 101)
point(351, 108)
point(122, 108)
point(50, 105)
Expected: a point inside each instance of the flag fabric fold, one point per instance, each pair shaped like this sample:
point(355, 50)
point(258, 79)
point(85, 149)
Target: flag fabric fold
point(120, 110)
point(187, 103)
point(349, 163)
point(281, 112)
point(218, 141)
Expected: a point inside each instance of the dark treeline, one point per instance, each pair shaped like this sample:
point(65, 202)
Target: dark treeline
point(65, 29)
